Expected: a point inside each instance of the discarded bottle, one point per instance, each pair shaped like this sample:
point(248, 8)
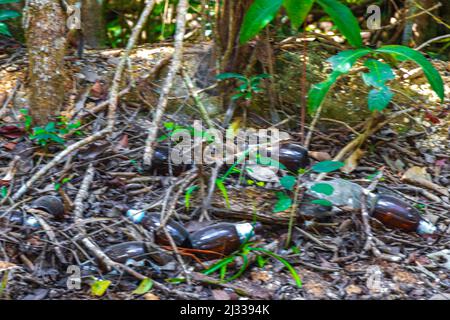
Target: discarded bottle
point(223, 238)
point(17, 217)
point(179, 234)
point(125, 251)
point(293, 156)
point(345, 194)
point(50, 204)
point(161, 165)
point(312, 211)
point(390, 210)
point(396, 213)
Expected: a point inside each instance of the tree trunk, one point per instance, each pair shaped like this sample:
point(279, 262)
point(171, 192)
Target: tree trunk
point(93, 23)
point(46, 43)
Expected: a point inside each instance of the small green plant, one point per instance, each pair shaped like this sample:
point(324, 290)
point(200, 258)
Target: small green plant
point(52, 132)
point(7, 15)
point(247, 86)
point(58, 185)
point(245, 250)
point(379, 73)
point(288, 183)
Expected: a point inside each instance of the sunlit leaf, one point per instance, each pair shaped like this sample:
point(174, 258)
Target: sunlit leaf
point(145, 286)
point(405, 53)
point(323, 188)
point(379, 98)
point(99, 287)
point(260, 13)
point(288, 182)
point(297, 11)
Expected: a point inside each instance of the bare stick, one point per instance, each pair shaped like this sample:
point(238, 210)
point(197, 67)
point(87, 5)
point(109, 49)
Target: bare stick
point(113, 100)
point(174, 67)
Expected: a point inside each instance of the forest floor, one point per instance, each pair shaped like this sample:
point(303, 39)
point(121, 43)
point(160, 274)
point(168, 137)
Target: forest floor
point(328, 257)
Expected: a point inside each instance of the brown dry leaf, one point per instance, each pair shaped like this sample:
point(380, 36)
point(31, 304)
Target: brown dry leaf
point(404, 277)
point(419, 176)
point(353, 289)
point(319, 155)
point(220, 295)
point(7, 266)
point(262, 275)
point(151, 296)
point(352, 162)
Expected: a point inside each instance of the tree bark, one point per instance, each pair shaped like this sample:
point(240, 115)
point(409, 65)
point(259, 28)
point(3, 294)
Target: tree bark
point(46, 43)
point(93, 23)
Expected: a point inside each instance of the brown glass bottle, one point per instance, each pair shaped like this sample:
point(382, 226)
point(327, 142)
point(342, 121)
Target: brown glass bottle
point(396, 213)
point(293, 156)
point(177, 231)
point(223, 238)
point(127, 250)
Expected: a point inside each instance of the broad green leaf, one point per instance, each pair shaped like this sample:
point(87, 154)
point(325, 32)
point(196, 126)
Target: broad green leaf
point(145, 286)
point(260, 13)
point(322, 202)
point(379, 99)
point(187, 196)
point(4, 191)
point(344, 20)
point(223, 189)
point(284, 202)
point(379, 73)
point(8, 1)
point(4, 29)
point(327, 166)
point(99, 287)
point(8, 14)
point(323, 188)
point(297, 10)
point(288, 182)
point(433, 76)
point(344, 60)
point(230, 75)
point(318, 92)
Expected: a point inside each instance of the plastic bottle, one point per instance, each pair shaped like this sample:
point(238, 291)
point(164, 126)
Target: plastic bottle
point(179, 234)
point(125, 251)
point(396, 213)
point(390, 210)
point(223, 238)
point(293, 156)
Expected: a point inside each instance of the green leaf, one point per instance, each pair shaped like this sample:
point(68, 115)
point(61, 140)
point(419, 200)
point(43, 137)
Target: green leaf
point(318, 92)
point(288, 182)
point(284, 202)
point(405, 53)
point(260, 13)
point(8, 1)
point(323, 188)
point(223, 189)
point(145, 286)
point(8, 14)
point(230, 75)
point(297, 10)
point(344, 60)
point(344, 20)
point(322, 202)
point(99, 287)
point(379, 73)
point(379, 99)
point(4, 29)
point(4, 191)
point(327, 166)
point(187, 196)
point(294, 273)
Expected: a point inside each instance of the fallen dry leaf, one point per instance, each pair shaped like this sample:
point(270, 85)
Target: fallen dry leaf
point(7, 266)
point(220, 295)
point(151, 296)
point(353, 289)
point(352, 162)
point(419, 176)
point(319, 155)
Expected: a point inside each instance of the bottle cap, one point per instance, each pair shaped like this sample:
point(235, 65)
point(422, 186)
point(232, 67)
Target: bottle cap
point(426, 227)
point(247, 230)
